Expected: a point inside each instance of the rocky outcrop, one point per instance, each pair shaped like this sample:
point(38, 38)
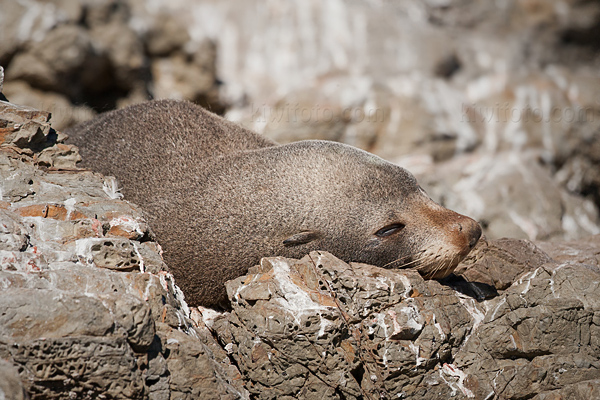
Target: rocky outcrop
point(76, 58)
point(492, 105)
point(521, 325)
point(88, 309)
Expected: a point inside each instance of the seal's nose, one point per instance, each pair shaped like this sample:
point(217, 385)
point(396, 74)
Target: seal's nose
point(473, 230)
point(469, 229)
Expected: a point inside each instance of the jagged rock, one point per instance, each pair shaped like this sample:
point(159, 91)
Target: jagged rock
point(100, 54)
point(166, 36)
point(321, 328)
point(64, 114)
point(50, 63)
point(23, 127)
point(500, 263)
point(539, 336)
point(87, 306)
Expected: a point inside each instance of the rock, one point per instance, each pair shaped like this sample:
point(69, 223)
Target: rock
point(31, 21)
point(23, 127)
point(188, 76)
point(166, 36)
point(64, 114)
point(98, 55)
point(582, 251)
point(174, 75)
point(321, 327)
point(495, 102)
point(538, 336)
point(103, 12)
point(499, 263)
point(52, 62)
point(88, 308)
point(124, 52)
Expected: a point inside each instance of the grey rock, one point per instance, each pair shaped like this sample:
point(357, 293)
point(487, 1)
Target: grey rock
point(50, 63)
point(167, 35)
point(63, 113)
point(88, 308)
point(319, 327)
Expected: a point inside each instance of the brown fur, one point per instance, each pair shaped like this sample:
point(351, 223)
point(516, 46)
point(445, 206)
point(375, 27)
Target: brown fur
point(220, 197)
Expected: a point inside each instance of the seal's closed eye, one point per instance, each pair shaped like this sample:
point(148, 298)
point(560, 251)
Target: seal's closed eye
point(389, 230)
point(301, 238)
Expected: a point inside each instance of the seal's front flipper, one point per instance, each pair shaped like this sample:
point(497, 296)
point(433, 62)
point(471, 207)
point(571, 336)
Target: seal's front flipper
point(301, 238)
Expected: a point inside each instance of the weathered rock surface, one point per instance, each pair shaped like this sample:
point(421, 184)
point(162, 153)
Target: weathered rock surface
point(88, 309)
point(75, 58)
point(520, 326)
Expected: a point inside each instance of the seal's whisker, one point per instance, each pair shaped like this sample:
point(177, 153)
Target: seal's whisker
point(400, 259)
point(405, 257)
point(427, 257)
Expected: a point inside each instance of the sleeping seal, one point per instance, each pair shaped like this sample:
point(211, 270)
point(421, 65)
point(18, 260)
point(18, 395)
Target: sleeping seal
point(219, 197)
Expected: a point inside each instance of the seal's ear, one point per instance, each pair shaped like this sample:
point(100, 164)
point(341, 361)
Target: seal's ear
point(301, 238)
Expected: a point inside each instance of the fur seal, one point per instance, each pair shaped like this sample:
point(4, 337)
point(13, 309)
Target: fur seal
point(219, 197)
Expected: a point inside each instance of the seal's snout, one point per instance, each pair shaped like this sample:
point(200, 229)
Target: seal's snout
point(455, 236)
point(474, 232)
point(467, 229)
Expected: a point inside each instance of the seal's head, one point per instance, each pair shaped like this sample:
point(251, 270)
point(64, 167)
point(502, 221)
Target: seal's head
point(317, 195)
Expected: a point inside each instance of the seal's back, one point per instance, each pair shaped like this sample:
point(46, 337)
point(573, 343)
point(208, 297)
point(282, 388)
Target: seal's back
point(150, 145)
